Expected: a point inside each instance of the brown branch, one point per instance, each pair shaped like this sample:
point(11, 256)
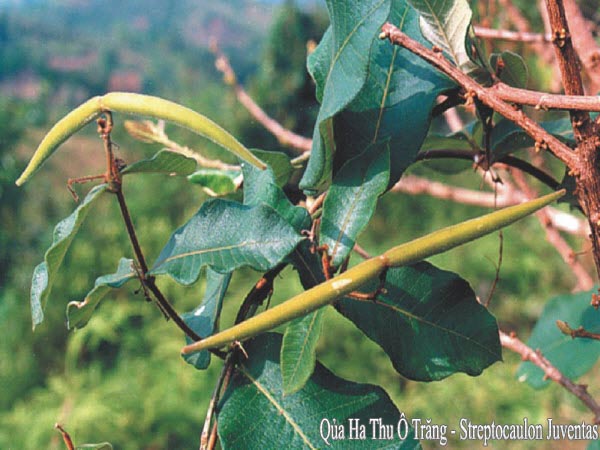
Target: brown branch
point(513, 343)
point(577, 333)
point(584, 43)
point(113, 179)
point(509, 160)
point(487, 97)
point(568, 63)
point(221, 385)
point(544, 101)
point(412, 184)
point(283, 135)
point(66, 437)
point(587, 170)
point(509, 35)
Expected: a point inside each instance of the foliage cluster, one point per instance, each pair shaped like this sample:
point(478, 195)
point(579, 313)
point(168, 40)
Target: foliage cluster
point(371, 152)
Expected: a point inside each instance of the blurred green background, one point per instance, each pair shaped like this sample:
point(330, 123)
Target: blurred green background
point(120, 379)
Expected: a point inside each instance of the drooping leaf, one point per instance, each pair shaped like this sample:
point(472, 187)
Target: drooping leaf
point(299, 347)
point(215, 182)
point(339, 65)
point(573, 357)
point(254, 400)
point(513, 70)
point(351, 200)
point(429, 323)
point(165, 161)
point(393, 105)
point(203, 319)
point(44, 274)
point(226, 235)
point(298, 351)
point(445, 24)
point(260, 187)
point(79, 313)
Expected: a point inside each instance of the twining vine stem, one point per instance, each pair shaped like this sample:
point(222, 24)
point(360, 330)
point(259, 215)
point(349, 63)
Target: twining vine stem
point(113, 178)
point(257, 295)
point(509, 160)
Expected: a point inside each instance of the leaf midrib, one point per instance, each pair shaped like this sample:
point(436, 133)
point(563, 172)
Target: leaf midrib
point(264, 391)
point(402, 311)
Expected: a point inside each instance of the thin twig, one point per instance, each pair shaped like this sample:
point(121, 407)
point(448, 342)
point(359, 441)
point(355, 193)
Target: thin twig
point(577, 333)
point(224, 376)
point(66, 437)
point(284, 136)
point(585, 43)
point(509, 35)
point(587, 170)
point(568, 63)
point(487, 97)
point(212, 440)
point(513, 343)
point(545, 101)
point(114, 180)
point(146, 280)
point(361, 252)
point(509, 160)
point(500, 253)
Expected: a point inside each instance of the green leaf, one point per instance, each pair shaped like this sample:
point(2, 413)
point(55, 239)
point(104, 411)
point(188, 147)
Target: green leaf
point(593, 445)
point(215, 182)
point(203, 319)
point(339, 65)
point(351, 200)
point(429, 323)
point(446, 24)
point(255, 401)
point(393, 105)
point(45, 273)
point(278, 162)
point(507, 137)
point(260, 187)
point(357, 276)
point(79, 313)
point(225, 236)
point(469, 138)
point(165, 161)
point(514, 70)
point(298, 350)
point(572, 357)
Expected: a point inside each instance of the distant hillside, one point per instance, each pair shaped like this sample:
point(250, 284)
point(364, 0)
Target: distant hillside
point(83, 47)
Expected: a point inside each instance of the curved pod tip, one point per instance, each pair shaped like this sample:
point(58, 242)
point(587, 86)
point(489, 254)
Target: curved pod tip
point(137, 104)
